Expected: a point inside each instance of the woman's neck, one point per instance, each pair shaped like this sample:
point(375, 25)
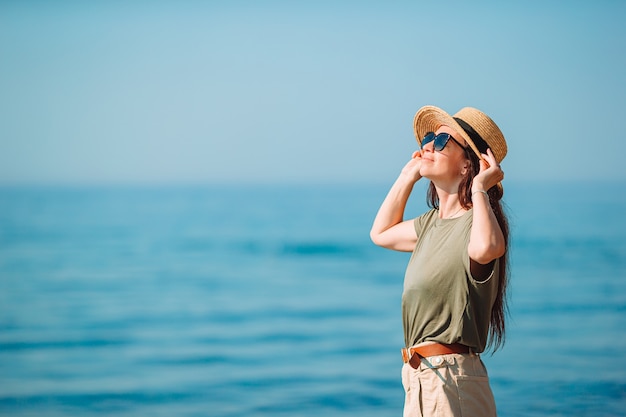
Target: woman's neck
point(449, 203)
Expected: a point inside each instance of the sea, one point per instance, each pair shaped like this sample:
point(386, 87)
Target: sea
point(271, 300)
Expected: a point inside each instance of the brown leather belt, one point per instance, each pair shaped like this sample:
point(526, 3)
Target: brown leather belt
point(433, 350)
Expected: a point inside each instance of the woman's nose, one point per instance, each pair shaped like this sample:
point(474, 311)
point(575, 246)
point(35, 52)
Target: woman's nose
point(428, 147)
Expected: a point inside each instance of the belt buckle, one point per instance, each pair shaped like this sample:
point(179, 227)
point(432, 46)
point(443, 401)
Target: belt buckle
point(413, 359)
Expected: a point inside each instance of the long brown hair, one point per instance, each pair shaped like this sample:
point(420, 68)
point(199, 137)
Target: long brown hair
point(499, 310)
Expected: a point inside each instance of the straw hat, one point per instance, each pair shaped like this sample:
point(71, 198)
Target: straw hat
point(478, 130)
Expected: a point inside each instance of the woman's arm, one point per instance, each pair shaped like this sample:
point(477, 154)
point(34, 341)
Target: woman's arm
point(390, 230)
point(486, 238)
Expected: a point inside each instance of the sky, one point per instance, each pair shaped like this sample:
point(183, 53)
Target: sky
point(302, 92)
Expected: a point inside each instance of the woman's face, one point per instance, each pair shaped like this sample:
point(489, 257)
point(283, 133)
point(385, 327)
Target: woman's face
point(447, 164)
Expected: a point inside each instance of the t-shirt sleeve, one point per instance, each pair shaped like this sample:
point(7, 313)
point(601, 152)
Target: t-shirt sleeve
point(420, 223)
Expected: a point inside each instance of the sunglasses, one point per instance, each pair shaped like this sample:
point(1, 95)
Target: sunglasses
point(441, 140)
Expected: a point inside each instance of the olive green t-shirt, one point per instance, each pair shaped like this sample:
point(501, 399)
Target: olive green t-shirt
point(441, 301)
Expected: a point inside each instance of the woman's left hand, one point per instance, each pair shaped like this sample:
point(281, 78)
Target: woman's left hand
point(490, 173)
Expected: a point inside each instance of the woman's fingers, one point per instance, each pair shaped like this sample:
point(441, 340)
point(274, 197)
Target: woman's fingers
point(490, 172)
point(490, 159)
point(412, 167)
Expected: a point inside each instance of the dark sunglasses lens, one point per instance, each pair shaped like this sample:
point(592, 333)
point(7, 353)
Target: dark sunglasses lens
point(441, 140)
point(428, 138)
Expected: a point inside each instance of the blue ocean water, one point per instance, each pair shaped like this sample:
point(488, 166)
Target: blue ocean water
point(272, 301)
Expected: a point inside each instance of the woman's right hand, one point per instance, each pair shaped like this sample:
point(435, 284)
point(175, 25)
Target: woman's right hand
point(390, 230)
point(411, 170)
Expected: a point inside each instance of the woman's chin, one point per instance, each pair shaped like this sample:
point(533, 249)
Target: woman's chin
point(426, 173)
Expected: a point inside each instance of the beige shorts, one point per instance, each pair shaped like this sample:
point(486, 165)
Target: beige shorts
point(448, 385)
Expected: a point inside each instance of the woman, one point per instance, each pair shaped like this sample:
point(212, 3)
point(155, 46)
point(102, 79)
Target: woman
point(454, 303)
